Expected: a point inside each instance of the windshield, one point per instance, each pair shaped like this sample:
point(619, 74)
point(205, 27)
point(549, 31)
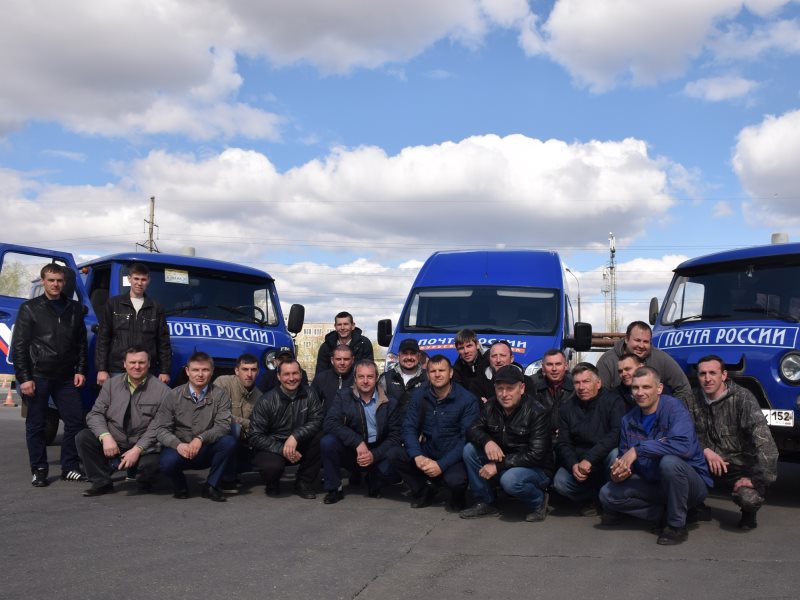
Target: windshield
point(742, 292)
point(486, 309)
point(211, 295)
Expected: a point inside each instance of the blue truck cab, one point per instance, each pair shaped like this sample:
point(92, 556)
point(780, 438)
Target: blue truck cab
point(221, 308)
point(744, 306)
point(520, 296)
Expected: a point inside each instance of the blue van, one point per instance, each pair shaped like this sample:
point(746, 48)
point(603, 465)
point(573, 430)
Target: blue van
point(520, 296)
point(744, 306)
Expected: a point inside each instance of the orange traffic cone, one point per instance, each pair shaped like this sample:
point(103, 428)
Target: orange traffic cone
point(9, 397)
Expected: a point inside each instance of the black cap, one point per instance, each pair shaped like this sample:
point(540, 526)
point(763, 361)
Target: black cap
point(509, 374)
point(409, 344)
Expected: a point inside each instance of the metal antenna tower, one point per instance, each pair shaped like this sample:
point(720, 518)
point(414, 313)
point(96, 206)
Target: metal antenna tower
point(150, 244)
point(612, 282)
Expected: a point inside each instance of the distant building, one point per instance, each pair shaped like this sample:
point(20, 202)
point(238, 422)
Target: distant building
point(308, 342)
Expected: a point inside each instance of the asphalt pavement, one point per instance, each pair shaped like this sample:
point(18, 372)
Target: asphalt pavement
point(57, 544)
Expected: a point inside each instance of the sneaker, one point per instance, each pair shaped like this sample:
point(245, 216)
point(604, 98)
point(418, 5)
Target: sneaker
point(540, 514)
point(228, 487)
point(212, 493)
point(672, 536)
point(479, 509)
point(748, 520)
point(99, 491)
point(425, 498)
point(73, 475)
point(40, 478)
point(304, 491)
point(333, 496)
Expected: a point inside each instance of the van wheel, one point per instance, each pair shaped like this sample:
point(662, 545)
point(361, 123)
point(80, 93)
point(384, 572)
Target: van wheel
point(51, 426)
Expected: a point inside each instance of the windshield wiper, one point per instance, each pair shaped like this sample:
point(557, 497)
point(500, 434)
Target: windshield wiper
point(700, 318)
point(183, 309)
point(237, 310)
point(771, 312)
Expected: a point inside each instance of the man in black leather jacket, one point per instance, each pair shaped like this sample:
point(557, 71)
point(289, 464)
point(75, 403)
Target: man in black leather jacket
point(49, 355)
point(133, 319)
point(285, 428)
point(511, 442)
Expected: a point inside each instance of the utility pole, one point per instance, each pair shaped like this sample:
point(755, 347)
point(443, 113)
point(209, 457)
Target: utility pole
point(612, 280)
point(150, 244)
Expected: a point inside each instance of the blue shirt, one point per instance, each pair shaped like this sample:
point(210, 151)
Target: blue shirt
point(370, 408)
point(196, 398)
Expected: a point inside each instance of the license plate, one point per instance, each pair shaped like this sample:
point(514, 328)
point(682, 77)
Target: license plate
point(779, 418)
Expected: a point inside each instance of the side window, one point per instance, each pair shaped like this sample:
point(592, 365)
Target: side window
point(686, 301)
point(19, 274)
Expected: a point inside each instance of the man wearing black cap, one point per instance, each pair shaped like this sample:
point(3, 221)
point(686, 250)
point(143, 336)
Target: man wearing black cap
point(510, 442)
point(406, 376)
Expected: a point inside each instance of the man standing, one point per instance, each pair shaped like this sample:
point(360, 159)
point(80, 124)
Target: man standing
point(638, 341)
point(361, 430)
point(588, 435)
point(345, 333)
point(241, 387)
point(661, 472)
point(471, 362)
point(194, 428)
point(49, 355)
point(735, 437)
point(327, 383)
point(406, 376)
point(553, 384)
point(439, 413)
point(121, 433)
point(285, 428)
point(626, 367)
point(132, 319)
point(510, 441)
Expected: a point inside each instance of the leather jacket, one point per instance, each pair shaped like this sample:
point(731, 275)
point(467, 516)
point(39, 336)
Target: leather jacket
point(276, 416)
point(46, 344)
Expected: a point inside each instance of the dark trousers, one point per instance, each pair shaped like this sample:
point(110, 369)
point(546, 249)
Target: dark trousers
point(68, 402)
point(679, 489)
point(747, 499)
point(454, 477)
point(240, 462)
point(99, 468)
point(272, 465)
point(215, 455)
point(335, 456)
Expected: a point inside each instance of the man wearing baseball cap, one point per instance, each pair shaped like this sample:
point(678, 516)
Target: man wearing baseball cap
point(510, 443)
point(406, 376)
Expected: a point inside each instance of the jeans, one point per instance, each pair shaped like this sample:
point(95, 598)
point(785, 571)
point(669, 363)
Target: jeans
point(679, 489)
point(336, 455)
point(99, 468)
point(527, 484)
point(215, 455)
point(584, 491)
point(68, 402)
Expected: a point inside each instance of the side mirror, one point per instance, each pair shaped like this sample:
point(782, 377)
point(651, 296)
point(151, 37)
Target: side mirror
point(297, 314)
point(582, 337)
point(653, 310)
point(384, 332)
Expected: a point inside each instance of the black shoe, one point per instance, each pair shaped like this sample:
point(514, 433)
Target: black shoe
point(273, 490)
point(479, 509)
point(333, 496)
point(181, 494)
point(355, 478)
point(425, 498)
point(374, 493)
point(228, 487)
point(698, 513)
point(672, 536)
point(540, 514)
point(73, 475)
point(144, 487)
point(40, 478)
point(748, 520)
point(610, 519)
point(589, 510)
point(304, 491)
point(458, 501)
point(99, 491)
point(212, 493)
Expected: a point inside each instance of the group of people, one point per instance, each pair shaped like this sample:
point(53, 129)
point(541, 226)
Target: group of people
point(627, 437)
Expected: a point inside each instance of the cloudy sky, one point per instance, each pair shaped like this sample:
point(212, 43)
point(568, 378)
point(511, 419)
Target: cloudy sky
point(337, 144)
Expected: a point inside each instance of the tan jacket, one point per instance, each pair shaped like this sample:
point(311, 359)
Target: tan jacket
point(242, 399)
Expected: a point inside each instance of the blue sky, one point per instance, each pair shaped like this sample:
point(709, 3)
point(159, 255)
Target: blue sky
point(336, 145)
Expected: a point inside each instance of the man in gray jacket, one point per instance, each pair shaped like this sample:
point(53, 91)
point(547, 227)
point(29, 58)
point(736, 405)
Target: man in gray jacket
point(121, 433)
point(735, 437)
point(194, 428)
point(638, 341)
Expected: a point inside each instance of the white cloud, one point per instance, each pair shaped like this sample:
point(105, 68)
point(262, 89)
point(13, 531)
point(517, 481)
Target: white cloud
point(736, 42)
point(66, 154)
point(716, 89)
point(721, 209)
point(765, 159)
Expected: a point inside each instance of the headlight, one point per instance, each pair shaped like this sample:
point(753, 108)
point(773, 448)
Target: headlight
point(790, 368)
point(269, 357)
point(533, 368)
